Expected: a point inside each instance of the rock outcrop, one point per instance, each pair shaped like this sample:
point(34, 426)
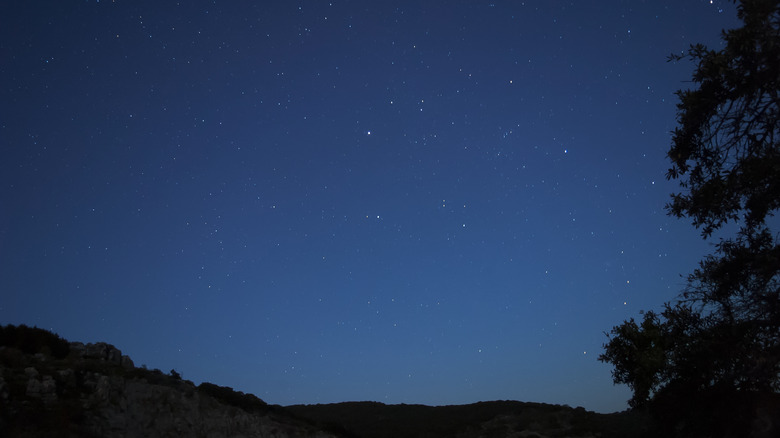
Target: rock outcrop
point(94, 390)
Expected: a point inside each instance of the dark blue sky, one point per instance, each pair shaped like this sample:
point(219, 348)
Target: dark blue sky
point(434, 202)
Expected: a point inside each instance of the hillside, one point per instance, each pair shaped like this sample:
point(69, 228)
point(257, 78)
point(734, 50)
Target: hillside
point(50, 387)
point(53, 388)
point(478, 420)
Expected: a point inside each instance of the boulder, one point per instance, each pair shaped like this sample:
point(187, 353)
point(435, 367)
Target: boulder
point(31, 372)
point(33, 388)
point(48, 392)
point(101, 351)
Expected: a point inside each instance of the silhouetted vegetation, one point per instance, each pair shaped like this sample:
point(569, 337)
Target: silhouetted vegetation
point(32, 340)
point(227, 395)
point(709, 363)
point(498, 418)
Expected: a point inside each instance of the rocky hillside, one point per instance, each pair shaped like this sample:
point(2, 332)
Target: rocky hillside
point(53, 388)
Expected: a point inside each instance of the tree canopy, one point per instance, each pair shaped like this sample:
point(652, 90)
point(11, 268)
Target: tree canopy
point(725, 148)
point(720, 340)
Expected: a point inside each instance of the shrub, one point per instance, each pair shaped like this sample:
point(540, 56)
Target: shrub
point(32, 340)
point(247, 402)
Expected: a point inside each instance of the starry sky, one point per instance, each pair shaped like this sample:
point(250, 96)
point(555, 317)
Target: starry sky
point(435, 202)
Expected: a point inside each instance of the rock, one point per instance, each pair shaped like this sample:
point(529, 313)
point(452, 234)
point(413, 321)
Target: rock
point(3, 389)
point(48, 392)
point(45, 389)
point(103, 388)
point(33, 388)
point(104, 352)
point(127, 363)
point(78, 349)
point(67, 377)
point(113, 355)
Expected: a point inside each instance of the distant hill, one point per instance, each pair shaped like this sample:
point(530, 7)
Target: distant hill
point(478, 420)
point(50, 387)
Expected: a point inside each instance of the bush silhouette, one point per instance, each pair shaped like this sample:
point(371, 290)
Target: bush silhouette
point(32, 340)
point(247, 402)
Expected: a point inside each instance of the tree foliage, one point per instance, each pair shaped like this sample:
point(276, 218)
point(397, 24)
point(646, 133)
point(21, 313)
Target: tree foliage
point(724, 150)
point(247, 402)
point(720, 340)
point(639, 356)
point(32, 340)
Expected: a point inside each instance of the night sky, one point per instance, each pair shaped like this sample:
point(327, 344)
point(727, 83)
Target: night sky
point(435, 202)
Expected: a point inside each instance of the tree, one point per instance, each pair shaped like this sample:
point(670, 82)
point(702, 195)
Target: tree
point(638, 352)
point(720, 340)
point(724, 150)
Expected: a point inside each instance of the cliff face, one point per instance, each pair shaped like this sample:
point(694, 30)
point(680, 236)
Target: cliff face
point(94, 390)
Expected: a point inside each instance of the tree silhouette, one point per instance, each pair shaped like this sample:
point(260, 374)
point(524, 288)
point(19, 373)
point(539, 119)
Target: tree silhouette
point(709, 362)
point(724, 151)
